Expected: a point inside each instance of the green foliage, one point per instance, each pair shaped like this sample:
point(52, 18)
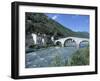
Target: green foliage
point(31, 46)
point(80, 57)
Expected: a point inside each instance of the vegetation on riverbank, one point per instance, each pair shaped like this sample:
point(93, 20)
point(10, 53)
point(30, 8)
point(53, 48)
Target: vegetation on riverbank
point(80, 57)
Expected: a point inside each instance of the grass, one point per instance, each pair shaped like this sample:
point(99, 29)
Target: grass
point(80, 57)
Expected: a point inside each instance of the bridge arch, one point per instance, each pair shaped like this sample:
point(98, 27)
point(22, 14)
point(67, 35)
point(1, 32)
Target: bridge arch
point(70, 43)
point(84, 43)
point(58, 43)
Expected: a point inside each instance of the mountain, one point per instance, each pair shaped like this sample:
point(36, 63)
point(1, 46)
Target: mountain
point(82, 34)
point(41, 23)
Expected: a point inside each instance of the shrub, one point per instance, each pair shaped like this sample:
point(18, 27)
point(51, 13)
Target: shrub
point(32, 46)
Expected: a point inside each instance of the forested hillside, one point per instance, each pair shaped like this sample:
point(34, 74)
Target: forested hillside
point(41, 23)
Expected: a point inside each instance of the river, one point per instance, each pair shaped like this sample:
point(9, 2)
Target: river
point(44, 57)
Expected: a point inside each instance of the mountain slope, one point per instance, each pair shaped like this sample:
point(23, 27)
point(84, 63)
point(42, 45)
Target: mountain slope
point(40, 23)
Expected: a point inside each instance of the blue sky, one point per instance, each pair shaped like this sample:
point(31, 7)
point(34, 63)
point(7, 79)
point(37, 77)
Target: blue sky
point(74, 22)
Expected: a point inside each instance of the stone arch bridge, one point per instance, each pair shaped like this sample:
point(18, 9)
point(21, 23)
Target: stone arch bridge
point(74, 41)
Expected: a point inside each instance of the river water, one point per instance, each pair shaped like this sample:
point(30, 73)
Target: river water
point(44, 57)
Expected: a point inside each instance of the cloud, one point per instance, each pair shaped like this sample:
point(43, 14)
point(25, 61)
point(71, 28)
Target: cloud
point(54, 17)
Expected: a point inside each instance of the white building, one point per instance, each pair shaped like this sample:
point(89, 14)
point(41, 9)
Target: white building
point(34, 36)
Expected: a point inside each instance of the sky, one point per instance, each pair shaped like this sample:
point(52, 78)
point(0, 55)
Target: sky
point(75, 22)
